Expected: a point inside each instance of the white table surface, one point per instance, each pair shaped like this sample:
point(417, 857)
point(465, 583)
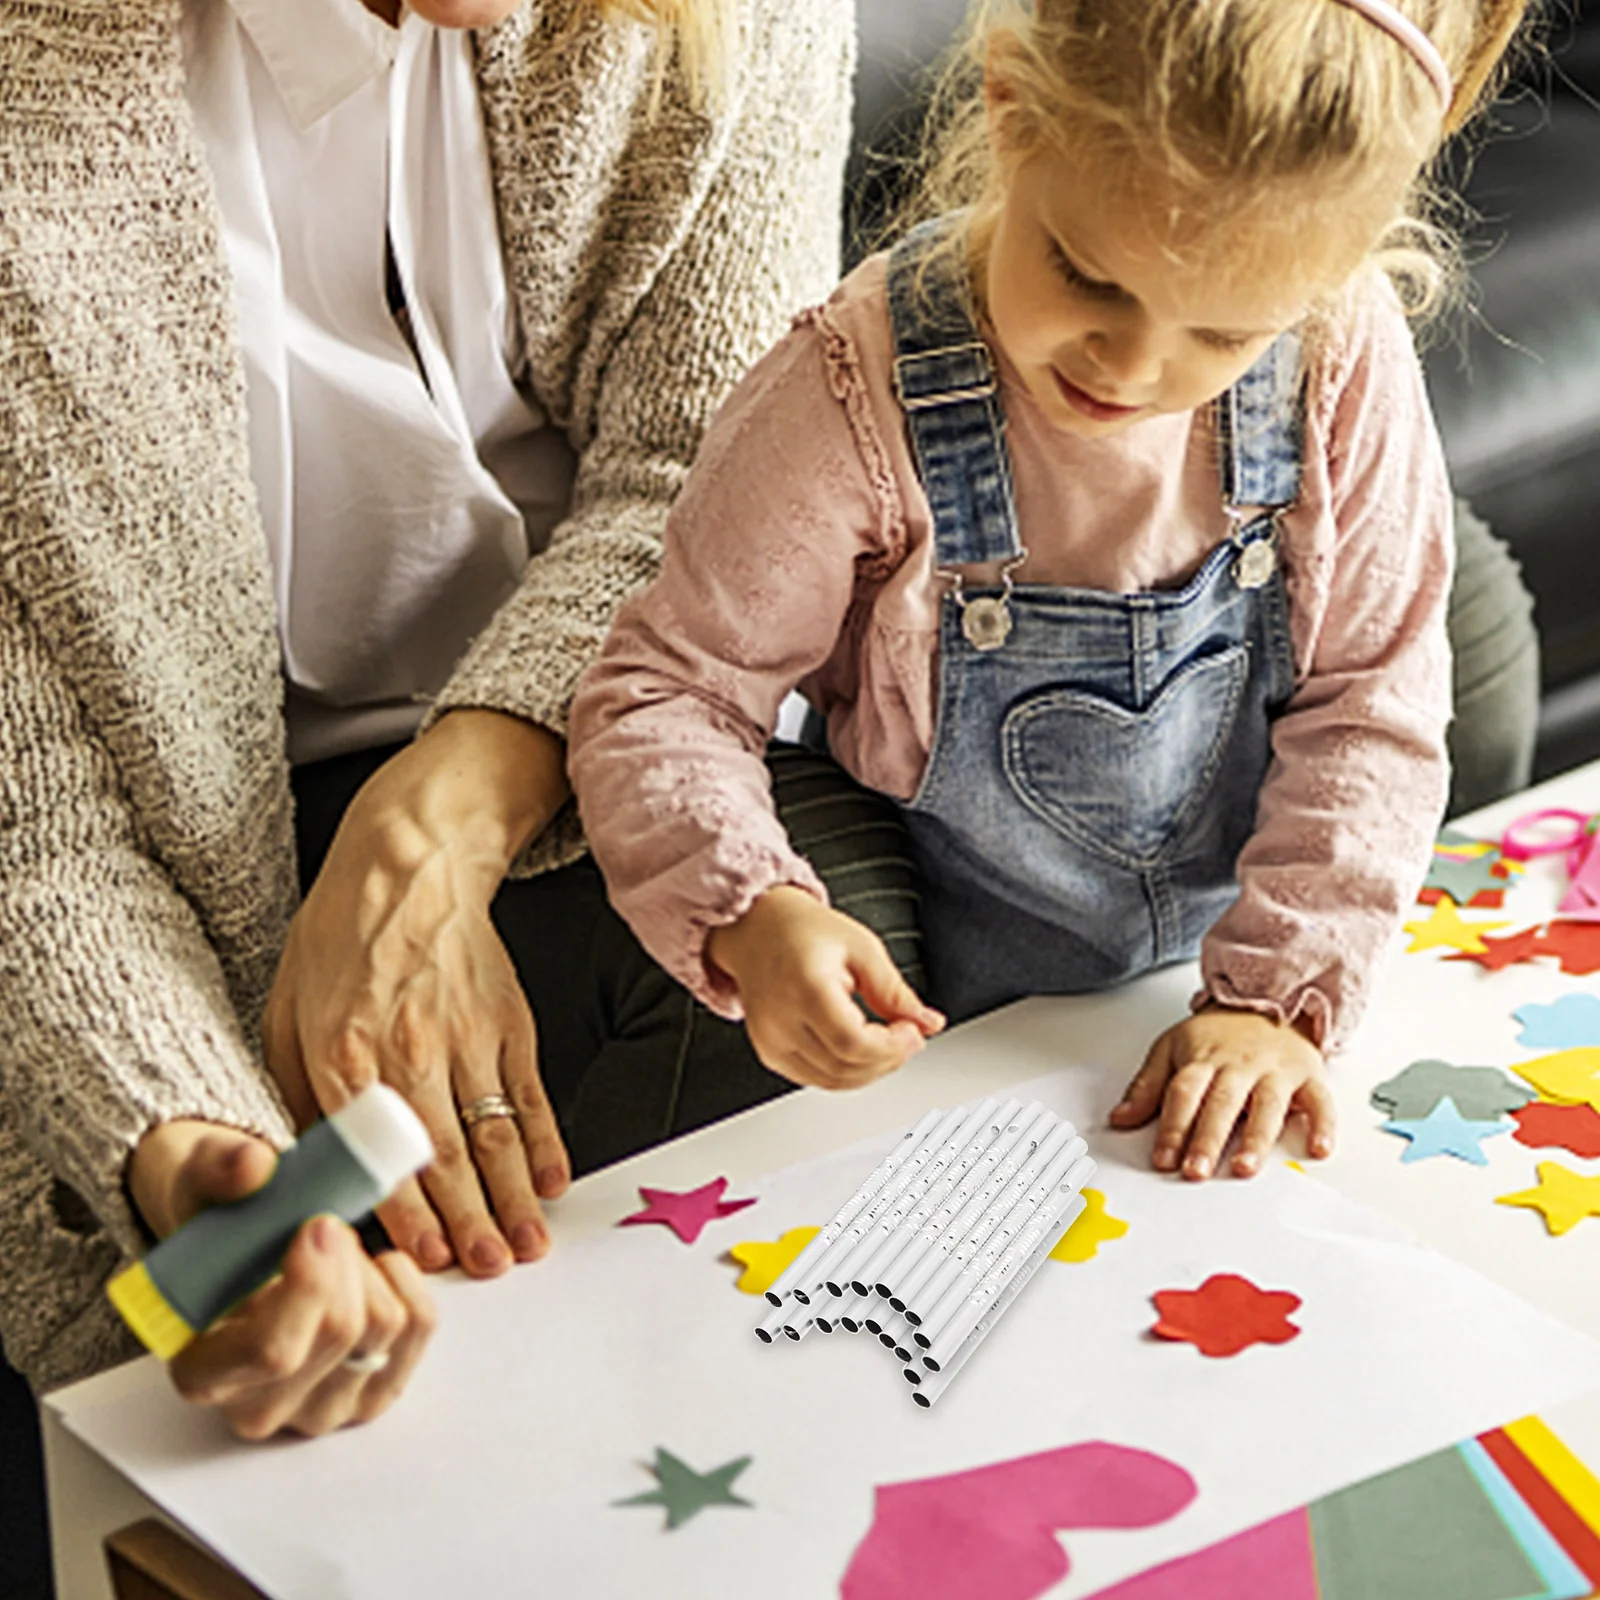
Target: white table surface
point(89, 1498)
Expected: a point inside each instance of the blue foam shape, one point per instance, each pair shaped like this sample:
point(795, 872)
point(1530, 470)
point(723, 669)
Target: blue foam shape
point(1561, 1578)
point(1444, 1132)
point(1569, 1023)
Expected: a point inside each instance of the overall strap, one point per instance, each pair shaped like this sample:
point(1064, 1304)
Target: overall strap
point(1261, 430)
point(946, 384)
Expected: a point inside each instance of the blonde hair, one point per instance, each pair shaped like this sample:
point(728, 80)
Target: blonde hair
point(697, 33)
point(1226, 100)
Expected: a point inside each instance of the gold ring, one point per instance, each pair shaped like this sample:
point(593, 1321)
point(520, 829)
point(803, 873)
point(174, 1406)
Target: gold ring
point(485, 1107)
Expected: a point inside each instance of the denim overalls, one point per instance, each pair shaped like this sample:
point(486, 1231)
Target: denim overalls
point(1097, 757)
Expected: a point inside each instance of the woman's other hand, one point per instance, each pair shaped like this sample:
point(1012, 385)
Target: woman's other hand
point(332, 1340)
point(1221, 1068)
point(798, 967)
point(394, 972)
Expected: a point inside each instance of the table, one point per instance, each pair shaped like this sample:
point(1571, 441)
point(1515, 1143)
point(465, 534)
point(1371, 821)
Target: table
point(89, 1499)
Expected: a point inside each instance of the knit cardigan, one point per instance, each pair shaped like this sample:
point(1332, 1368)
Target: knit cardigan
point(147, 868)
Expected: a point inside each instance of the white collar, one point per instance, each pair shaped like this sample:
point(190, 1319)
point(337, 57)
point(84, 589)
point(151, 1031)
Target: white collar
point(319, 52)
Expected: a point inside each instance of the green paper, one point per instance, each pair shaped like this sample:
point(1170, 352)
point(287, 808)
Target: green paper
point(1426, 1531)
point(1463, 877)
point(684, 1492)
point(1481, 1094)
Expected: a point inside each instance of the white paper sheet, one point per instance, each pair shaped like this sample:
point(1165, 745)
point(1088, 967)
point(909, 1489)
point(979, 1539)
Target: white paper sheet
point(548, 1391)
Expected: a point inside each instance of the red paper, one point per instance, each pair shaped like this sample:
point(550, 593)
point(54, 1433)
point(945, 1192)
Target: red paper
point(1575, 944)
point(1226, 1314)
point(990, 1533)
point(1563, 1523)
point(1500, 953)
point(1271, 1561)
point(1483, 900)
point(1574, 1128)
point(688, 1212)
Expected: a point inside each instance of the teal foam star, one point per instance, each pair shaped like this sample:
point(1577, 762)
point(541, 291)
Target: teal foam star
point(684, 1492)
point(1463, 877)
point(1445, 1132)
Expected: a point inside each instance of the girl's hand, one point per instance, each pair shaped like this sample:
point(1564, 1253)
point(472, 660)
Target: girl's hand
point(1217, 1067)
point(278, 1362)
point(393, 972)
point(798, 966)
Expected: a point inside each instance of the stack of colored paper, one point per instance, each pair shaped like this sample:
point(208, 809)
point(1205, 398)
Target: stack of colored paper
point(930, 1252)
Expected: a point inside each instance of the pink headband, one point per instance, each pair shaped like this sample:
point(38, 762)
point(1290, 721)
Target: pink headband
point(1414, 39)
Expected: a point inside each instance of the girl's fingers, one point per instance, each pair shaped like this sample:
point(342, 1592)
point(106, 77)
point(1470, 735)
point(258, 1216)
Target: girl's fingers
point(1141, 1099)
point(1185, 1092)
point(872, 1051)
point(1315, 1098)
point(1226, 1097)
point(854, 1047)
point(882, 985)
point(1269, 1107)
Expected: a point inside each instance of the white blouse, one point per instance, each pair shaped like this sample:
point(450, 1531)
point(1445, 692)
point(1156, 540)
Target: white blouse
point(402, 492)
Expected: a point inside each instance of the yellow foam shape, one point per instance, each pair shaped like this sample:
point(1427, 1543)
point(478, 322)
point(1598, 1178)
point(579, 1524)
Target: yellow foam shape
point(1563, 1197)
point(1571, 1077)
point(1447, 928)
point(1094, 1227)
point(1565, 1473)
point(764, 1260)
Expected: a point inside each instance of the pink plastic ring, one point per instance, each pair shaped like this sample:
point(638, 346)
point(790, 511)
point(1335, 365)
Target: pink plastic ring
point(1515, 848)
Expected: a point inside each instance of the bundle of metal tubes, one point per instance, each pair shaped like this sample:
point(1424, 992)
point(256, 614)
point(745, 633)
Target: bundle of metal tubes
point(930, 1252)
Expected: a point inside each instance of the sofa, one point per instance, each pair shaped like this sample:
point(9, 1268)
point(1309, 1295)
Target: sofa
point(1515, 380)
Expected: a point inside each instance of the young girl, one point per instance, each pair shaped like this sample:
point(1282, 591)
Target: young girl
point(1105, 523)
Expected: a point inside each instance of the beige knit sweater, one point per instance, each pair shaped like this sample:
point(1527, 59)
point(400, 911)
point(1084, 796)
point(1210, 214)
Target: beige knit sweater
point(146, 864)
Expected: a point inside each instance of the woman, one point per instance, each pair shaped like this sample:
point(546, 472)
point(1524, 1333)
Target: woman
point(344, 354)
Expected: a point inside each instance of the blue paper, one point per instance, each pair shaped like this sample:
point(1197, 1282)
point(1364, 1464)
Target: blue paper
point(1569, 1023)
point(1562, 1579)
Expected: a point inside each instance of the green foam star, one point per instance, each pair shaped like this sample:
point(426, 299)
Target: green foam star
point(685, 1492)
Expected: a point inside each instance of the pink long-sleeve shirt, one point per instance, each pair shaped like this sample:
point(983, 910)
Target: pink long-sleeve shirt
point(800, 555)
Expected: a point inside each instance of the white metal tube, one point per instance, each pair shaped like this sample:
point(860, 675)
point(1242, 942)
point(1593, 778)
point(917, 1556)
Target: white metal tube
point(844, 1242)
point(1046, 1223)
point(906, 1146)
point(931, 1254)
point(928, 1386)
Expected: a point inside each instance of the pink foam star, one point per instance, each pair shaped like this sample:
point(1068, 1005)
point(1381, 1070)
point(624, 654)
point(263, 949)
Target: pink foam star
point(686, 1213)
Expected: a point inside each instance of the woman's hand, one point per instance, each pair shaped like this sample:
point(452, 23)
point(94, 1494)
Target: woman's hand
point(282, 1359)
point(1217, 1067)
point(798, 967)
point(393, 972)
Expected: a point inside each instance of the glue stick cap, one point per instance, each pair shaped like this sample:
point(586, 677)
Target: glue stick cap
point(385, 1135)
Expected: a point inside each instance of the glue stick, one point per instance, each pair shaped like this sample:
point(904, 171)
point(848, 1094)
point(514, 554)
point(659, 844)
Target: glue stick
point(345, 1165)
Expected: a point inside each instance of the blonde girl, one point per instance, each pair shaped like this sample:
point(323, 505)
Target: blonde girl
point(1105, 523)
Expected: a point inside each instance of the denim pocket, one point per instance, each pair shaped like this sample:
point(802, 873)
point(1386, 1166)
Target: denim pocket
point(1125, 785)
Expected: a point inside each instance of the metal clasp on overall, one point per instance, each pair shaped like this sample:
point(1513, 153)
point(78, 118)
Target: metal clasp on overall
point(1257, 557)
point(986, 620)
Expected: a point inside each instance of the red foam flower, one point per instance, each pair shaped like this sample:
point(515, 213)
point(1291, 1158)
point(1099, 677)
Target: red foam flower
point(1226, 1314)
